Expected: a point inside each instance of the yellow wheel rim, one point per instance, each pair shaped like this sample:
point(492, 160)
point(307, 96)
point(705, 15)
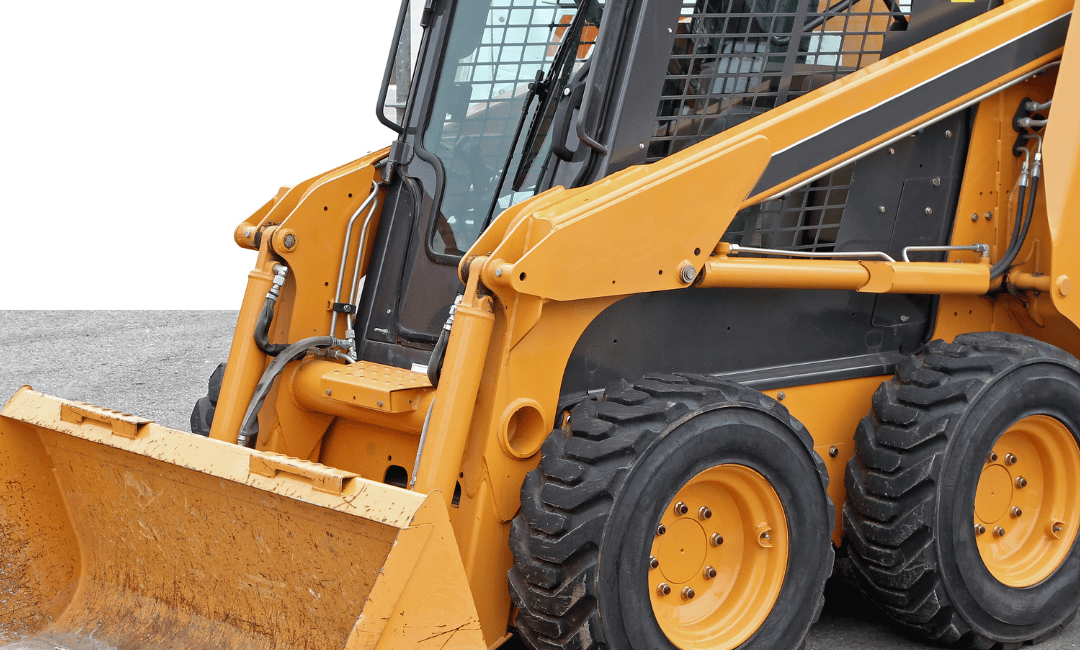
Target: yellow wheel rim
point(1026, 510)
point(718, 559)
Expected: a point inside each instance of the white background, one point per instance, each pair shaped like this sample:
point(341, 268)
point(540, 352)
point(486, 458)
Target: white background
point(135, 136)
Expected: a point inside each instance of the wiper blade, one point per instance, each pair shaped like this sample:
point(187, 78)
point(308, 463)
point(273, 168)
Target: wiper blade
point(558, 75)
point(537, 87)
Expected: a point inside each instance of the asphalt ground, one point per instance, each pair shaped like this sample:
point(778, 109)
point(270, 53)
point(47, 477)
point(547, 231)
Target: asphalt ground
point(155, 364)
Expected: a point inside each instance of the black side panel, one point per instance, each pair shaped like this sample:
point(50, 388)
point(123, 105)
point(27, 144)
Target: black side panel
point(740, 330)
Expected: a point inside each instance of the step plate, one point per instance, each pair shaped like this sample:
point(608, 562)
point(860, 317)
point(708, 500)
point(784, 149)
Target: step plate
point(375, 386)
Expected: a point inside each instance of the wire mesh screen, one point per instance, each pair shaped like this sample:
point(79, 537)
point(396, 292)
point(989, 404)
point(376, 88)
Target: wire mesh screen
point(804, 220)
point(735, 59)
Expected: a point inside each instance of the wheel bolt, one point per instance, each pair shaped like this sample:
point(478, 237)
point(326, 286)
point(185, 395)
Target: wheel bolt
point(1010, 459)
point(992, 457)
point(980, 529)
point(663, 589)
point(653, 562)
point(709, 573)
point(661, 529)
point(1021, 482)
point(999, 531)
point(687, 593)
point(1016, 512)
point(681, 509)
point(704, 512)
point(716, 539)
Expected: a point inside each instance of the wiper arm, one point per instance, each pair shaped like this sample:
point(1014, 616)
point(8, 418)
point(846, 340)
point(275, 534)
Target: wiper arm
point(537, 87)
point(558, 75)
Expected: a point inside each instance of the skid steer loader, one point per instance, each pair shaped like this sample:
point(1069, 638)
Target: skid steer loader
point(651, 308)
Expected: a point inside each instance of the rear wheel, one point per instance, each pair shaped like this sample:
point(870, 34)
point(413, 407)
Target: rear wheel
point(681, 512)
point(964, 494)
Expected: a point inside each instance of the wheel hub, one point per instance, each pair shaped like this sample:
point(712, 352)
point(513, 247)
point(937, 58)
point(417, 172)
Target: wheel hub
point(1026, 510)
point(718, 558)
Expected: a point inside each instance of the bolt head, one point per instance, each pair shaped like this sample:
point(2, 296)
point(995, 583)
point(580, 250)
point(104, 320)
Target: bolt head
point(999, 531)
point(661, 529)
point(929, 211)
point(687, 593)
point(936, 182)
point(992, 457)
point(891, 151)
point(1016, 512)
point(498, 273)
point(289, 240)
point(948, 134)
point(641, 145)
point(833, 451)
point(653, 562)
point(687, 273)
point(716, 539)
point(881, 209)
point(989, 215)
point(1021, 482)
point(1010, 459)
point(681, 509)
point(704, 513)
point(974, 216)
point(980, 529)
point(663, 589)
point(709, 573)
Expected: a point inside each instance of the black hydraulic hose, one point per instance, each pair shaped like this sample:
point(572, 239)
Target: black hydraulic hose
point(1020, 231)
point(248, 431)
point(262, 324)
point(262, 330)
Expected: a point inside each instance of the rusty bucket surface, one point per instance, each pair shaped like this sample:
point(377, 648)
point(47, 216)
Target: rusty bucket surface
point(117, 532)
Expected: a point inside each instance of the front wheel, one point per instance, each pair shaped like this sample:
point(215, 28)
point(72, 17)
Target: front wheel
point(681, 512)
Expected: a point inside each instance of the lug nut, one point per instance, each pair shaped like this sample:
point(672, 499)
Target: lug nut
point(834, 452)
point(716, 539)
point(681, 509)
point(709, 573)
point(653, 562)
point(663, 589)
point(980, 529)
point(992, 457)
point(1021, 482)
point(687, 593)
point(1016, 512)
point(704, 512)
point(999, 531)
point(661, 529)
point(1010, 459)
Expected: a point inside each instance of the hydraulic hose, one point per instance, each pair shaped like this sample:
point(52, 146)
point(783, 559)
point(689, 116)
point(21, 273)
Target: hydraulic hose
point(262, 324)
point(1024, 211)
point(248, 433)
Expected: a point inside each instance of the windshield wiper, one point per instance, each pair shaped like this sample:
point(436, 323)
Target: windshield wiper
point(558, 75)
point(537, 87)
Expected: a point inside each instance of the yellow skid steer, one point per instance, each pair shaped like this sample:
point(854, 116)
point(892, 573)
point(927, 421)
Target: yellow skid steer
point(651, 310)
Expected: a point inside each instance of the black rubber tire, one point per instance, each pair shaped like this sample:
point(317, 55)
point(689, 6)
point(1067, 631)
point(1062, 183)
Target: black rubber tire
point(202, 415)
point(590, 510)
point(911, 489)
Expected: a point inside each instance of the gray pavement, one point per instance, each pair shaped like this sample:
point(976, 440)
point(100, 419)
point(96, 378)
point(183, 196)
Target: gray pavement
point(155, 364)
